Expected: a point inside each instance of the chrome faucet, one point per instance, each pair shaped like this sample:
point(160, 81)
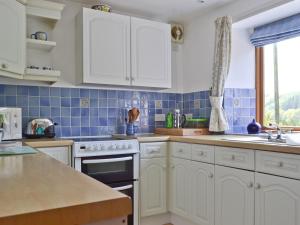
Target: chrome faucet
point(279, 133)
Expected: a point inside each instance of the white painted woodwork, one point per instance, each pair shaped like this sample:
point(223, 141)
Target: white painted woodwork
point(45, 9)
point(153, 149)
point(234, 196)
point(150, 53)
point(202, 193)
point(235, 157)
point(62, 154)
point(40, 45)
point(153, 186)
point(203, 153)
point(106, 47)
point(287, 165)
point(179, 187)
point(12, 38)
point(181, 150)
point(277, 200)
point(41, 75)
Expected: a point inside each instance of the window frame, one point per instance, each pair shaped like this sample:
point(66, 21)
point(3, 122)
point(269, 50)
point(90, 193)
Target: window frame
point(259, 86)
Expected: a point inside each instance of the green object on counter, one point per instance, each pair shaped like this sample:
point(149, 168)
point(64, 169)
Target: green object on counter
point(169, 120)
point(16, 150)
point(197, 123)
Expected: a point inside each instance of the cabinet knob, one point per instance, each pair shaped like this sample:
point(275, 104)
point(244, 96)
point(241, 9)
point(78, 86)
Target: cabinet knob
point(201, 153)
point(211, 175)
point(233, 157)
point(280, 164)
point(132, 78)
point(257, 186)
point(250, 185)
point(127, 78)
point(4, 66)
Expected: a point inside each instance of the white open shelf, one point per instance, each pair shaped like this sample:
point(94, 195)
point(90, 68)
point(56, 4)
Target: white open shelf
point(42, 75)
point(40, 45)
point(44, 9)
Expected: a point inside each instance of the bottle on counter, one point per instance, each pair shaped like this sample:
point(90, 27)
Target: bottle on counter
point(169, 120)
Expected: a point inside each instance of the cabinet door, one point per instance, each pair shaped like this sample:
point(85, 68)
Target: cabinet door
point(151, 53)
point(234, 196)
point(106, 48)
point(180, 187)
point(61, 154)
point(153, 186)
point(12, 38)
point(277, 200)
point(202, 184)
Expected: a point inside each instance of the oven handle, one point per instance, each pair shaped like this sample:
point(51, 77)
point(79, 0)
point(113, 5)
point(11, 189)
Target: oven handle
point(93, 161)
point(123, 188)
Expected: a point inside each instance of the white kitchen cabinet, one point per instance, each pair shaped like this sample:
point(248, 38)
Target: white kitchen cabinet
point(104, 39)
point(202, 193)
point(153, 186)
point(12, 38)
point(277, 200)
point(151, 53)
point(234, 196)
point(62, 154)
point(180, 187)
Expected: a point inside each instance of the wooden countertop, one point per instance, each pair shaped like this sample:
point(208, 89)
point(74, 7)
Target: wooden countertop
point(37, 189)
point(47, 142)
point(218, 140)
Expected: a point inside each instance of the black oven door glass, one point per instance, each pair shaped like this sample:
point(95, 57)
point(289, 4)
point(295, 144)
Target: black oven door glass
point(109, 169)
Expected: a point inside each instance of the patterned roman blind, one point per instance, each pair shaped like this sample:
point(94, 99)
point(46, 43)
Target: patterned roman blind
point(279, 30)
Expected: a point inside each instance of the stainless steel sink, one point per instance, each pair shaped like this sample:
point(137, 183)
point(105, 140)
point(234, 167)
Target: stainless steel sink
point(255, 139)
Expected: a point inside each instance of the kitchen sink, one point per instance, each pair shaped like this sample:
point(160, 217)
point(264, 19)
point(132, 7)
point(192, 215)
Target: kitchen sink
point(256, 139)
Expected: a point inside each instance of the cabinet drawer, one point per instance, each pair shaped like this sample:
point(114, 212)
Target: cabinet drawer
point(287, 165)
point(235, 157)
point(153, 150)
point(203, 153)
point(181, 150)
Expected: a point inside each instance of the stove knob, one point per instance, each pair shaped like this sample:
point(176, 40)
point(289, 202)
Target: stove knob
point(95, 148)
point(102, 147)
point(119, 147)
point(114, 147)
point(129, 146)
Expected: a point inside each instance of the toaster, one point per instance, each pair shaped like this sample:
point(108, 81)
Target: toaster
point(41, 127)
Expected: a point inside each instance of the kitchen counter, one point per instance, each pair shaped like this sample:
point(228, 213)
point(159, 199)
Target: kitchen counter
point(36, 189)
point(218, 140)
point(47, 142)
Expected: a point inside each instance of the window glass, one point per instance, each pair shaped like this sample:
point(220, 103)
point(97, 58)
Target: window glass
point(282, 83)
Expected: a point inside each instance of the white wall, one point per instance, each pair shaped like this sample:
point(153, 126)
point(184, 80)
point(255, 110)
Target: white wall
point(64, 58)
point(198, 47)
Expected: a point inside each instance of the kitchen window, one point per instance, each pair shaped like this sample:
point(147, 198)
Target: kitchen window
point(277, 52)
point(279, 97)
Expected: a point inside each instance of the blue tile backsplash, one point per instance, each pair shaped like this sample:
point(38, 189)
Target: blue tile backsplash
point(106, 110)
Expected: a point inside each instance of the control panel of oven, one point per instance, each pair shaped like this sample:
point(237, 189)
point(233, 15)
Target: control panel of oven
point(105, 147)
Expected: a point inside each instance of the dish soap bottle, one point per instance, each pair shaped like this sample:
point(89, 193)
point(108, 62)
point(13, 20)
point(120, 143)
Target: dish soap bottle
point(169, 120)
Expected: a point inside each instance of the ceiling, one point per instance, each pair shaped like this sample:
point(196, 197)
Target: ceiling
point(165, 10)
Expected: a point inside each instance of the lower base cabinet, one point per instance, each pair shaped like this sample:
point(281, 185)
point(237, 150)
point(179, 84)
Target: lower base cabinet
point(234, 196)
point(153, 186)
point(202, 193)
point(277, 200)
point(192, 190)
point(62, 154)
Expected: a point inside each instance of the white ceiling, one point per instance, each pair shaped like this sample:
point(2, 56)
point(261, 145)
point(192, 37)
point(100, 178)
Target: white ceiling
point(165, 10)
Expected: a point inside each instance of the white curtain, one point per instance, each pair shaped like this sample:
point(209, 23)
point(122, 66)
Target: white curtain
point(218, 121)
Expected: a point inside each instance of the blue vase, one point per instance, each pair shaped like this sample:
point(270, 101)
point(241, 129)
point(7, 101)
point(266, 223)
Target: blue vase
point(253, 127)
point(129, 129)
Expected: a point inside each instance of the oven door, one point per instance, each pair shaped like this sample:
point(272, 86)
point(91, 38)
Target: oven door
point(109, 169)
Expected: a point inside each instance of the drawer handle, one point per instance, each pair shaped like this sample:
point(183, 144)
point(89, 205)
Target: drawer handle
point(211, 175)
point(172, 166)
point(180, 150)
point(257, 186)
point(233, 157)
point(4, 66)
point(250, 185)
point(154, 151)
point(280, 164)
point(201, 153)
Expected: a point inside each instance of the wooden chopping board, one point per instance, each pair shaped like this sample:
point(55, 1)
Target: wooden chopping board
point(182, 131)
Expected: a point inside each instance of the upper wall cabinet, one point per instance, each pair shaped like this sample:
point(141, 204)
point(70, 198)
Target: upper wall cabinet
point(151, 53)
point(106, 47)
point(12, 38)
point(120, 50)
